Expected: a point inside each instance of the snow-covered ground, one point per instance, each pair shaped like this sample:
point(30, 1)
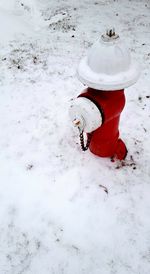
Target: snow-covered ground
point(55, 215)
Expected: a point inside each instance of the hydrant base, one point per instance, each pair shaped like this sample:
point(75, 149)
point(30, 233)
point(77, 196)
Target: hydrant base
point(119, 150)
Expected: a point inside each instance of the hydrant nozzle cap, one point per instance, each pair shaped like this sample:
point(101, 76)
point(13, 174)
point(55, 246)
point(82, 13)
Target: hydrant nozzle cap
point(110, 35)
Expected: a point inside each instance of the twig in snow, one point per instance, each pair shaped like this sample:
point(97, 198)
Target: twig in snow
point(104, 187)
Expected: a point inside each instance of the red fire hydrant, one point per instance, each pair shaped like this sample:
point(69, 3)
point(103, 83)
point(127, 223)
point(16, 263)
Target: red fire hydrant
point(106, 70)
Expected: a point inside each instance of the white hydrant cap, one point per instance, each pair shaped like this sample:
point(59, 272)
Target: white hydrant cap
point(108, 64)
point(85, 114)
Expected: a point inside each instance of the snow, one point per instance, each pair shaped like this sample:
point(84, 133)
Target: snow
point(56, 216)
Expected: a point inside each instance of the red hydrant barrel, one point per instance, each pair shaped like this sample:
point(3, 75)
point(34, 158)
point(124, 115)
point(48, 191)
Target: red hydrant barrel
point(105, 140)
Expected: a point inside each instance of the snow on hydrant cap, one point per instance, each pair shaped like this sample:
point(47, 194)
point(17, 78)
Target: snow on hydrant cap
point(108, 64)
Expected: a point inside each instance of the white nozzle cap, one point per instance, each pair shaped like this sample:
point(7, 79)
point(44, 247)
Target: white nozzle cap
point(85, 114)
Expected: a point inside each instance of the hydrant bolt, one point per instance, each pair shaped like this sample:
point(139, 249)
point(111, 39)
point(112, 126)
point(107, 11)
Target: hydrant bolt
point(111, 32)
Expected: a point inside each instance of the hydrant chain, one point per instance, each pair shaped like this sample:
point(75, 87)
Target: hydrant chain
point(83, 146)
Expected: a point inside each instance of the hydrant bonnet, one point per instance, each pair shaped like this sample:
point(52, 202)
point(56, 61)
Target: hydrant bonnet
point(108, 65)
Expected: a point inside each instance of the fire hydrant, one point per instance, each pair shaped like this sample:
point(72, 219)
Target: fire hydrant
point(106, 71)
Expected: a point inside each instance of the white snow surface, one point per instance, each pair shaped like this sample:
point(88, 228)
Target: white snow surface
point(55, 215)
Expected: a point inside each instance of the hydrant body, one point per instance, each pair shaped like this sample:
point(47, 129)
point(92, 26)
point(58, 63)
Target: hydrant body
point(105, 141)
point(106, 70)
